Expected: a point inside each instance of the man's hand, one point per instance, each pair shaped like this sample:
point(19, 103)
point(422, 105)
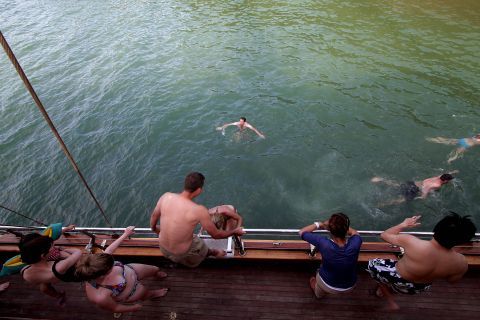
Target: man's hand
point(239, 231)
point(411, 222)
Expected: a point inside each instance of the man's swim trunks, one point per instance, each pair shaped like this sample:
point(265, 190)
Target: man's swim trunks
point(410, 190)
point(193, 257)
point(385, 271)
point(463, 143)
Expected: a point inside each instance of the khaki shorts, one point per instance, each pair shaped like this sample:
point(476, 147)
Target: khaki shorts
point(193, 257)
point(321, 288)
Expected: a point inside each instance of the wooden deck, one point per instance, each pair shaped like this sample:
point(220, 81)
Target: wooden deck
point(249, 289)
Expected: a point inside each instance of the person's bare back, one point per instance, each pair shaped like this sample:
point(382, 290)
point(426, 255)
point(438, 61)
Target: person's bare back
point(179, 217)
point(427, 261)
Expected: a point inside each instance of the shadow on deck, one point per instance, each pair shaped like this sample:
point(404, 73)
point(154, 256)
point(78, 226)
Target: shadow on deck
point(232, 289)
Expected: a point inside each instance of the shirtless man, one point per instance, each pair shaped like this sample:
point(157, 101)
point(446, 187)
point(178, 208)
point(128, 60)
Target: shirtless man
point(179, 216)
point(416, 189)
point(462, 145)
point(242, 124)
point(423, 261)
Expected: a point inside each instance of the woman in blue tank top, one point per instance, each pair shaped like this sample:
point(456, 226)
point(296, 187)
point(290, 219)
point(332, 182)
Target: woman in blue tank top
point(338, 272)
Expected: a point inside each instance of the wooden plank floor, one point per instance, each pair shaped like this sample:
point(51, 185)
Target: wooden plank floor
point(232, 289)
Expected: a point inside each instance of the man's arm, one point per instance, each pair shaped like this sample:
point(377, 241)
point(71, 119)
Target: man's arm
point(249, 126)
point(393, 235)
point(210, 227)
point(462, 270)
point(226, 125)
point(115, 244)
point(155, 216)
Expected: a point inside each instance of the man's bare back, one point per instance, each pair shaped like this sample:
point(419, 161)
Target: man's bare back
point(426, 261)
point(179, 217)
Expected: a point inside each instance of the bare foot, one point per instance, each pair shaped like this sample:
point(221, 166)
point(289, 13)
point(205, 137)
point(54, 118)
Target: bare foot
point(376, 179)
point(157, 294)
point(161, 275)
point(217, 253)
point(4, 286)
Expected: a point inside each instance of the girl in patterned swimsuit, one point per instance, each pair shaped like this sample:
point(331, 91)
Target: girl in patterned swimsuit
point(114, 286)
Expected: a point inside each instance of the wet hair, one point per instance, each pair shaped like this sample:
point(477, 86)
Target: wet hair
point(193, 181)
point(32, 246)
point(453, 230)
point(92, 266)
point(243, 118)
point(338, 225)
point(446, 177)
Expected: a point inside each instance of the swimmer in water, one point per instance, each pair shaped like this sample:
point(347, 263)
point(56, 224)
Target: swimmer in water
point(411, 190)
point(462, 145)
point(242, 124)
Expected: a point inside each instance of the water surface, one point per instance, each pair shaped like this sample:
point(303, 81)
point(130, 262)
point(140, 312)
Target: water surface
point(343, 91)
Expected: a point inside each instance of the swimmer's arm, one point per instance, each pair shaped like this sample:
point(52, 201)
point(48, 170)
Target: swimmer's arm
point(227, 125)
point(115, 244)
point(393, 236)
point(249, 126)
point(208, 226)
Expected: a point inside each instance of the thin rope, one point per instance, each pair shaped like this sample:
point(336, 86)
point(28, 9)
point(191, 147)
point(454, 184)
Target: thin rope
point(21, 214)
point(25, 80)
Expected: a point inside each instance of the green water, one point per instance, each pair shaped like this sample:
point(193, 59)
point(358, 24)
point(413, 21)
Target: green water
point(343, 90)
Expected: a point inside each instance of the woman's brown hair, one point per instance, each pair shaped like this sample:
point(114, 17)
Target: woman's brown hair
point(92, 266)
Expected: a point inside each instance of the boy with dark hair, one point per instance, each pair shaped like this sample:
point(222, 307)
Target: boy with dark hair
point(423, 261)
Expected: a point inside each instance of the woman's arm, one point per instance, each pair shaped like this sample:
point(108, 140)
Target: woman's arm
point(115, 244)
point(73, 256)
point(102, 298)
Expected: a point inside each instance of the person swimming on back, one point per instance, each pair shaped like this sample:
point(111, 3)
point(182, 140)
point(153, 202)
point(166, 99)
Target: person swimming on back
point(242, 124)
point(411, 190)
point(462, 145)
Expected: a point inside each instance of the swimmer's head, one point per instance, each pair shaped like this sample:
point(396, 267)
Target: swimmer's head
point(446, 177)
point(338, 225)
point(454, 230)
point(243, 119)
point(193, 181)
point(477, 136)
